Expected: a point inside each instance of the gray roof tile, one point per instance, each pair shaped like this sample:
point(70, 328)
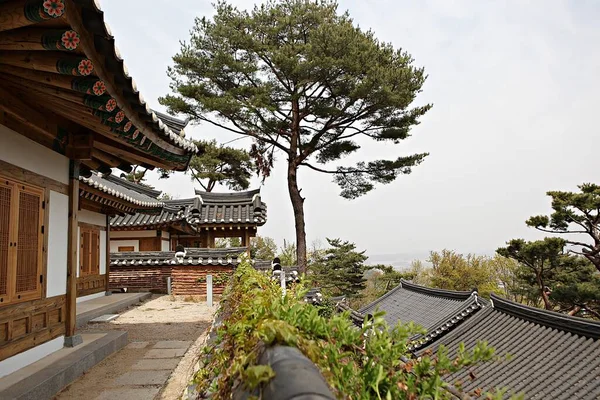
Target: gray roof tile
point(204, 209)
point(117, 187)
point(193, 256)
point(424, 306)
point(552, 355)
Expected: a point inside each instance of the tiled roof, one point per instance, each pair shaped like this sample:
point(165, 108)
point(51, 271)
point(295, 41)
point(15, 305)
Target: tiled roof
point(553, 356)
point(175, 124)
point(193, 256)
point(116, 187)
point(204, 209)
point(424, 306)
point(93, 20)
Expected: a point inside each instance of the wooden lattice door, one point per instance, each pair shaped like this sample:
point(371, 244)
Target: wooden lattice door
point(29, 243)
point(6, 253)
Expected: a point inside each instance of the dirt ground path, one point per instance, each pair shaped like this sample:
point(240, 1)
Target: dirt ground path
point(160, 332)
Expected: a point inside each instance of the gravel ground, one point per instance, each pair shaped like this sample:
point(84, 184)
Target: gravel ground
point(161, 318)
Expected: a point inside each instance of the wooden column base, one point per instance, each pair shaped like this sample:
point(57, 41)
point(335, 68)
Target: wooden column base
point(72, 341)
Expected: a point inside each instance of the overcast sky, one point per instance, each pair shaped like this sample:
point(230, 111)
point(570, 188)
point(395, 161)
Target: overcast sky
point(516, 93)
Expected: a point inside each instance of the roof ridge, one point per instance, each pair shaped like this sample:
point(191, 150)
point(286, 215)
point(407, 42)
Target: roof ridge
point(450, 321)
point(452, 294)
point(136, 187)
point(551, 319)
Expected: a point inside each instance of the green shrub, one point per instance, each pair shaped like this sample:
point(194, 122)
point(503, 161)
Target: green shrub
point(357, 363)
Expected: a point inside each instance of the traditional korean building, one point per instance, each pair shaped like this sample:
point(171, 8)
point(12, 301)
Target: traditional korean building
point(67, 107)
point(551, 355)
point(193, 223)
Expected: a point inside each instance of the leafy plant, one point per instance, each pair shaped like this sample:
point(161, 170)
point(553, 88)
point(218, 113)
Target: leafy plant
point(357, 363)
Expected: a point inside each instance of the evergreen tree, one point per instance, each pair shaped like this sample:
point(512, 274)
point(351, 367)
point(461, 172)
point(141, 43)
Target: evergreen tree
point(215, 164)
point(340, 270)
point(575, 216)
point(301, 80)
point(262, 248)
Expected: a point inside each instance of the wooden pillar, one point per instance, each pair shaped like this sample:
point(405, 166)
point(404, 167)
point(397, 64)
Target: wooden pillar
point(246, 241)
point(210, 240)
point(108, 292)
point(72, 340)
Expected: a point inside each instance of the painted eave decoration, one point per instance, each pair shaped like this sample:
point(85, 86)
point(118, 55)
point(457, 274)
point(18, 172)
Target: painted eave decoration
point(60, 58)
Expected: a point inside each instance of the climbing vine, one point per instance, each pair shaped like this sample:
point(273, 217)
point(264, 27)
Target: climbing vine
point(357, 363)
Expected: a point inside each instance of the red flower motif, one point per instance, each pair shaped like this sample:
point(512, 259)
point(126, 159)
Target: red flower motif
point(111, 105)
point(119, 117)
point(85, 67)
point(99, 88)
point(70, 40)
point(54, 8)
point(128, 127)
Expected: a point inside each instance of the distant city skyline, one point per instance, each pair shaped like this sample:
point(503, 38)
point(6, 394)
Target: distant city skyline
point(515, 92)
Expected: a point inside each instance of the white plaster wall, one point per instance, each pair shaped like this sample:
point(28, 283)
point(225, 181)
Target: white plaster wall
point(166, 235)
point(128, 234)
point(165, 245)
point(114, 245)
point(90, 297)
point(25, 358)
point(58, 237)
point(25, 153)
point(91, 217)
point(102, 252)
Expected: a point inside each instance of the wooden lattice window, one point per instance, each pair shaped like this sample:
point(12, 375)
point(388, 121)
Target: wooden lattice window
point(89, 251)
point(125, 249)
point(21, 239)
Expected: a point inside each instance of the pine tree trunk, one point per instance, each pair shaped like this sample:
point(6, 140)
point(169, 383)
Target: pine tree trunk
point(298, 206)
point(545, 299)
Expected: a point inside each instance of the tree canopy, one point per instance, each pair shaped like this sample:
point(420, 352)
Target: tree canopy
point(563, 282)
point(575, 216)
point(216, 164)
point(340, 269)
point(301, 80)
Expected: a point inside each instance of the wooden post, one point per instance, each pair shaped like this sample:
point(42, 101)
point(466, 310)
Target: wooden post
point(209, 290)
point(108, 292)
point(72, 340)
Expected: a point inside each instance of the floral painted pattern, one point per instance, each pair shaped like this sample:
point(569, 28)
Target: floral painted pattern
point(54, 8)
point(70, 40)
point(143, 137)
point(85, 67)
point(99, 88)
point(128, 127)
point(111, 105)
point(119, 117)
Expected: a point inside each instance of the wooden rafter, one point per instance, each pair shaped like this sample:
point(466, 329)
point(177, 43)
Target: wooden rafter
point(20, 13)
point(49, 61)
point(81, 84)
point(40, 39)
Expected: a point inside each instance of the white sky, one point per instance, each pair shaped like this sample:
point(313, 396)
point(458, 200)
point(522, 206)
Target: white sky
point(516, 92)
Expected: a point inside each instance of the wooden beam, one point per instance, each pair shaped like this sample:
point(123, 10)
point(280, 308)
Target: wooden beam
point(40, 39)
point(107, 158)
point(72, 262)
point(49, 61)
point(14, 106)
point(19, 13)
point(80, 146)
point(82, 84)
